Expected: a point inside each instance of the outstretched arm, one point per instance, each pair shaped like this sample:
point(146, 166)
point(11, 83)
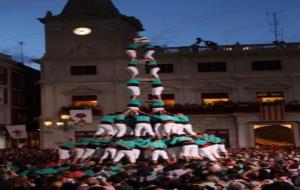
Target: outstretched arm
point(144, 113)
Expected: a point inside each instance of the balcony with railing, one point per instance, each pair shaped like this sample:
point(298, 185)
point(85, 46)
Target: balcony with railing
point(228, 108)
point(195, 49)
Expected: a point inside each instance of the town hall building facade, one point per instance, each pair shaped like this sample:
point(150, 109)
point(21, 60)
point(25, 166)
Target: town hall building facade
point(221, 88)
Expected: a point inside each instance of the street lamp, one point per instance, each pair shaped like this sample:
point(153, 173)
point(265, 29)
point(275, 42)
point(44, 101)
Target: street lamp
point(65, 117)
point(48, 123)
point(59, 124)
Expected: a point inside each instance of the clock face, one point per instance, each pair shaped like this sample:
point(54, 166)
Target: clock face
point(81, 31)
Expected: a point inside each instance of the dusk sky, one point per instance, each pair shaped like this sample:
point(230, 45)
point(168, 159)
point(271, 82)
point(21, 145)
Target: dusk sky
point(167, 22)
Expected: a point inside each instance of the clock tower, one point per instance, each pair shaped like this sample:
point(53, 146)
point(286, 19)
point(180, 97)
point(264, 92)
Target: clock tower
point(88, 28)
point(84, 63)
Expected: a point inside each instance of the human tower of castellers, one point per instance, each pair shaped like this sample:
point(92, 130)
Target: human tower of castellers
point(135, 134)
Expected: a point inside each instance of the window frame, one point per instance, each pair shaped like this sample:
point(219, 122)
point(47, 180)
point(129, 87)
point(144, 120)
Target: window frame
point(88, 70)
point(210, 67)
point(162, 70)
point(267, 67)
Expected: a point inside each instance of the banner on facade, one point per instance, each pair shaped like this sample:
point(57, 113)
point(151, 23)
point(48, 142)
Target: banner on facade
point(81, 116)
point(272, 112)
point(17, 131)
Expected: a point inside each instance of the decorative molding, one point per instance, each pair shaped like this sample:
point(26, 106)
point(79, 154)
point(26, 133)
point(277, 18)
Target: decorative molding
point(166, 88)
point(212, 87)
point(82, 90)
point(265, 85)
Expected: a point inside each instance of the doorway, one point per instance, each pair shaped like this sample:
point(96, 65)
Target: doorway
point(274, 135)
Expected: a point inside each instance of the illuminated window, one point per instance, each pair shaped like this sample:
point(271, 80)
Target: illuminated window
point(212, 98)
point(169, 99)
point(269, 96)
point(87, 100)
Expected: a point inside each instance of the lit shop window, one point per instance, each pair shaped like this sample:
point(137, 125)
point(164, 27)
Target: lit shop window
point(87, 100)
point(212, 98)
point(269, 97)
point(169, 99)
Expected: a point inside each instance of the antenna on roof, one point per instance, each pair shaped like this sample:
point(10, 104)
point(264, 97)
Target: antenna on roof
point(274, 23)
point(21, 43)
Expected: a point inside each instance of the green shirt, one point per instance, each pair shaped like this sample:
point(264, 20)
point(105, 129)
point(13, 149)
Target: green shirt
point(134, 103)
point(85, 140)
point(151, 63)
point(141, 118)
point(156, 82)
point(206, 138)
point(107, 118)
point(130, 121)
point(176, 119)
point(200, 142)
point(184, 119)
point(133, 62)
point(142, 143)
point(120, 117)
point(159, 144)
point(165, 117)
point(158, 104)
point(46, 171)
point(133, 46)
point(178, 140)
point(133, 82)
point(129, 144)
point(69, 144)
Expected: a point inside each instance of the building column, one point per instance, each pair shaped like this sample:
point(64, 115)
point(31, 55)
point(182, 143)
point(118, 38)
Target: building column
point(245, 130)
point(296, 132)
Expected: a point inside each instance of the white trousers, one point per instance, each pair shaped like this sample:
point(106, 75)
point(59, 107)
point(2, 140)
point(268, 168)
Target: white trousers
point(206, 152)
point(137, 153)
point(214, 150)
point(79, 152)
point(174, 152)
point(109, 152)
point(190, 150)
point(154, 110)
point(189, 129)
point(149, 54)
point(121, 129)
point(143, 126)
point(159, 153)
point(133, 71)
point(157, 91)
point(63, 154)
point(130, 154)
point(170, 128)
point(222, 148)
point(179, 129)
point(158, 128)
point(105, 129)
point(154, 72)
point(88, 153)
point(134, 90)
point(131, 53)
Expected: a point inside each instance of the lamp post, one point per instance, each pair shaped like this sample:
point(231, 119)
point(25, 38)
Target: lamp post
point(63, 121)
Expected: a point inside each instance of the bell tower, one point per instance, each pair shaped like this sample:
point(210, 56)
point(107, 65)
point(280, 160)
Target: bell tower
point(88, 28)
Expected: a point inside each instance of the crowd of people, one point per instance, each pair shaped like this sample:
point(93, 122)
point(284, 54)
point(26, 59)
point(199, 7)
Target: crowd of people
point(243, 169)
